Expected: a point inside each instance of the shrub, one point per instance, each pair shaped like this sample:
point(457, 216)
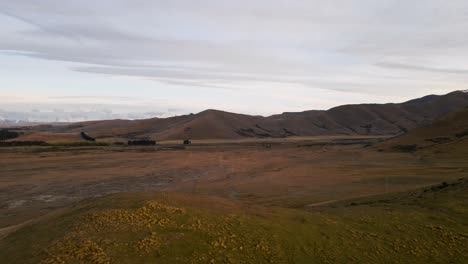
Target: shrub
point(406, 148)
point(462, 134)
point(6, 134)
point(438, 139)
point(141, 142)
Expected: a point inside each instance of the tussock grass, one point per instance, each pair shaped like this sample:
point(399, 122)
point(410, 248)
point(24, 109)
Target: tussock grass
point(423, 226)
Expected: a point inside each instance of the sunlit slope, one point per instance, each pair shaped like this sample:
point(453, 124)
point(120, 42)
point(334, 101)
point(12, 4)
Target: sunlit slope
point(424, 226)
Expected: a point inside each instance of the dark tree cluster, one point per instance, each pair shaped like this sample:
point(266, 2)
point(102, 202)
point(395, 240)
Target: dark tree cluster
point(141, 142)
point(406, 148)
point(22, 143)
point(86, 137)
point(6, 134)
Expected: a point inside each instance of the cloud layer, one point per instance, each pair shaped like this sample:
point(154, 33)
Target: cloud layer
point(286, 49)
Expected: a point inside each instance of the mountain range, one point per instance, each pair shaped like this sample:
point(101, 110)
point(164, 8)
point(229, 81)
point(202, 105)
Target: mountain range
point(359, 119)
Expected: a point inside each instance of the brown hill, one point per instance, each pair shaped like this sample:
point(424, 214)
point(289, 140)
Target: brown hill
point(376, 119)
point(362, 119)
point(452, 130)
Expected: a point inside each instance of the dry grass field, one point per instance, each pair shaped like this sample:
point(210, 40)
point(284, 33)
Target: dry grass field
point(264, 187)
point(40, 179)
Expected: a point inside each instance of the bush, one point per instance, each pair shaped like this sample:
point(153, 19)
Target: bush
point(6, 134)
point(462, 134)
point(141, 142)
point(406, 148)
point(438, 139)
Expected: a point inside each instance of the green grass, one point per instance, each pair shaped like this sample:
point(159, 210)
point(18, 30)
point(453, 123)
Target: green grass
point(423, 226)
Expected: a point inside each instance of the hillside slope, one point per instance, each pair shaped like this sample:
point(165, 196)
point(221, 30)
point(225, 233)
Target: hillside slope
point(451, 130)
point(363, 119)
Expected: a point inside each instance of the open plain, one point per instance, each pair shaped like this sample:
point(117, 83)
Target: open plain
point(290, 173)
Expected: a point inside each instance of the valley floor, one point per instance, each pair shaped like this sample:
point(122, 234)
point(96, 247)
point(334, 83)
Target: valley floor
point(292, 202)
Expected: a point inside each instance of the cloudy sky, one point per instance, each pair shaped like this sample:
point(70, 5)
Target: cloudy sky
point(86, 59)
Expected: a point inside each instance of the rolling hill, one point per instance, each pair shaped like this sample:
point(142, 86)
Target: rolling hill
point(362, 119)
point(450, 130)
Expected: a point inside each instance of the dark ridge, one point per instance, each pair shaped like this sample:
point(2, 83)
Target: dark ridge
point(423, 100)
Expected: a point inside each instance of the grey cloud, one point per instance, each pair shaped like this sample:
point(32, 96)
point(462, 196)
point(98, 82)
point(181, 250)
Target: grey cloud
point(392, 65)
point(192, 77)
point(220, 44)
point(38, 25)
point(78, 113)
point(60, 115)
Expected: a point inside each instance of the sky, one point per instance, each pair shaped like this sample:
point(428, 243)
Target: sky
point(81, 60)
